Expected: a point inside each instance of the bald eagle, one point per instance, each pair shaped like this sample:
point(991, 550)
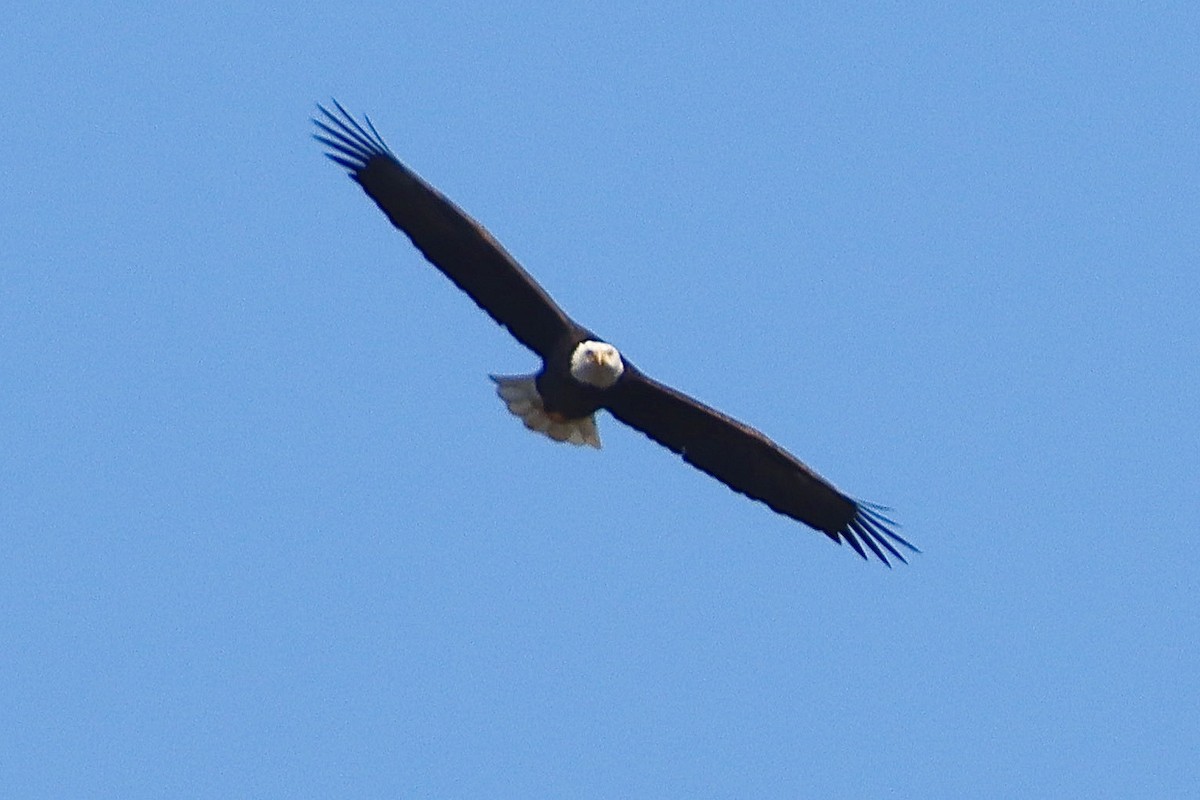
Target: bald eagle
point(581, 373)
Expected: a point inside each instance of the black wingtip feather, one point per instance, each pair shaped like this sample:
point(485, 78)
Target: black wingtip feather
point(878, 512)
point(870, 541)
point(874, 532)
point(338, 146)
point(342, 133)
point(877, 532)
point(854, 543)
point(350, 165)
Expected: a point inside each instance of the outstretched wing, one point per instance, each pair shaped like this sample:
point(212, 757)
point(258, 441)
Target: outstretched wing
point(748, 462)
point(453, 242)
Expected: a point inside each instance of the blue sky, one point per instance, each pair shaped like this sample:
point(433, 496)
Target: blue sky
point(267, 532)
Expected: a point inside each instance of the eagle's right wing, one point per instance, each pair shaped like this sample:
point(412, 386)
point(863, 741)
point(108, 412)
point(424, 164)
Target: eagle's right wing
point(453, 242)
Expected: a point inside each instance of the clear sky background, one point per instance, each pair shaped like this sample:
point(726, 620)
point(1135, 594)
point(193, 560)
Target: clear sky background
point(265, 530)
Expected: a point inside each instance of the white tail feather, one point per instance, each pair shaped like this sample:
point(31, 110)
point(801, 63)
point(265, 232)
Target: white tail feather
point(520, 395)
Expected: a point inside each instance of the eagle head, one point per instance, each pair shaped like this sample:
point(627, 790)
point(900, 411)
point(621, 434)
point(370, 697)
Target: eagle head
point(596, 364)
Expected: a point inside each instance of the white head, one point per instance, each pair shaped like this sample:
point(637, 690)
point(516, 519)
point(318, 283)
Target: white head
point(596, 364)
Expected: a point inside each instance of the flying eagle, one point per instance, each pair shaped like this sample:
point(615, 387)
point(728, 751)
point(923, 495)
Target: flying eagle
point(581, 373)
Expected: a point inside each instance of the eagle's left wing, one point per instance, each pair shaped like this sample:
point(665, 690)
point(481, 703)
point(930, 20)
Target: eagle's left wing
point(748, 462)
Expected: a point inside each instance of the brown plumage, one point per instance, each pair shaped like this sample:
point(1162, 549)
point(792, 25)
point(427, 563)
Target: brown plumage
point(734, 453)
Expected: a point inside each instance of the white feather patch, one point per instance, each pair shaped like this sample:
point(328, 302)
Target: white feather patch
point(520, 395)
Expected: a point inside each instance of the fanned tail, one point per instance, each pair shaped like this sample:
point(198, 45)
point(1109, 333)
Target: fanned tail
point(520, 394)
